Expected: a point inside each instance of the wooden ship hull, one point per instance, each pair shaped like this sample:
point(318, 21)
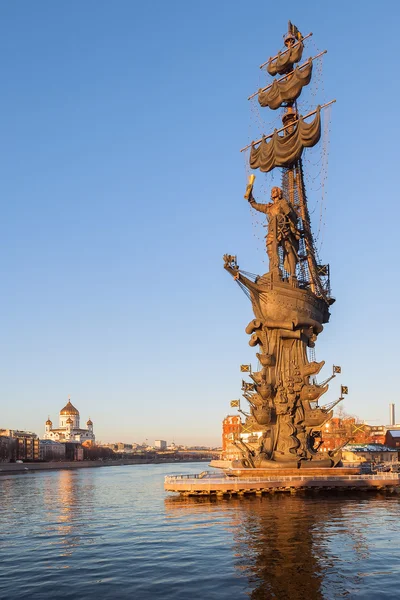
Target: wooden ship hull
point(277, 300)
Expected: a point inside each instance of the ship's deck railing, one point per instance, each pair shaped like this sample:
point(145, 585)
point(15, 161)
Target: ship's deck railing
point(218, 478)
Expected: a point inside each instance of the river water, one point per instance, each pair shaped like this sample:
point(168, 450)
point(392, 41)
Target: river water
point(113, 533)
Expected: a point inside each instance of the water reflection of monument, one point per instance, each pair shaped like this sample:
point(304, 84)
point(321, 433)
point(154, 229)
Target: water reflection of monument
point(286, 555)
point(284, 545)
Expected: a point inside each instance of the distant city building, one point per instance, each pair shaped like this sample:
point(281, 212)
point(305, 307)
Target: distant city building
point(21, 445)
point(231, 430)
point(51, 450)
point(338, 431)
point(377, 453)
point(377, 434)
point(69, 429)
point(28, 448)
point(7, 448)
point(392, 438)
point(122, 447)
point(16, 433)
point(160, 444)
point(73, 451)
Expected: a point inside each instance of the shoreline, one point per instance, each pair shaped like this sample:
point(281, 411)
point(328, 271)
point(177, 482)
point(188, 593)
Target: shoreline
point(11, 468)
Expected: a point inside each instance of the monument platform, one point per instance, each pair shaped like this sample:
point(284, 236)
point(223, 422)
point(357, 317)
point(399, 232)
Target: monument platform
point(216, 484)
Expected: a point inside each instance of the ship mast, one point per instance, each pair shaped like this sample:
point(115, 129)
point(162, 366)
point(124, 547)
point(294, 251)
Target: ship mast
point(285, 151)
point(297, 187)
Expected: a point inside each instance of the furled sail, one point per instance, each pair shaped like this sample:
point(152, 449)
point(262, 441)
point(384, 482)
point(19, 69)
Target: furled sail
point(287, 90)
point(285, 60)
point(285, 150)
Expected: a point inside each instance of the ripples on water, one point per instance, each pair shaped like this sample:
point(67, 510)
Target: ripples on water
point(114, 533)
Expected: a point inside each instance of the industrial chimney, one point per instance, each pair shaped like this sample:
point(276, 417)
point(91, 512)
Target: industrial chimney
point(392, 414)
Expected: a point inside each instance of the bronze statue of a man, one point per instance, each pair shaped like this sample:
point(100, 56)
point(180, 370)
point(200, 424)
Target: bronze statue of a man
point(282, 231)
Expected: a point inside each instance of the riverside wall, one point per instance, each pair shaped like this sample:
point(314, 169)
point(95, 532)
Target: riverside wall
point(9, 468)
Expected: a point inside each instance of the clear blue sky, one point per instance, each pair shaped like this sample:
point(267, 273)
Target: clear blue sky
point(122, 187)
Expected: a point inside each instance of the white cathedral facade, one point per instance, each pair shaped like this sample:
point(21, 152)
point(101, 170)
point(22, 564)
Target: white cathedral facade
point(69, 429)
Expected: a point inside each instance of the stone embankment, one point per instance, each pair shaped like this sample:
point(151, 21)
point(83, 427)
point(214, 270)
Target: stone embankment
point(9, 468)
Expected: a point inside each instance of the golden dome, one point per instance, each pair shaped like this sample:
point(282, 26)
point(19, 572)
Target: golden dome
point(48, 422)
point(69, 409)
point(89, 422)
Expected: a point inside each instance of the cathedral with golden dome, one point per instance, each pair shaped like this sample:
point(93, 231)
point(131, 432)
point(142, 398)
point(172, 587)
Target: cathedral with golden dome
point(69, 429)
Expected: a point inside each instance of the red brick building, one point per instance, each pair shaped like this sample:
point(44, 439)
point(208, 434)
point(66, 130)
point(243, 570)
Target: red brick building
point(340, 430)
point(392, 438)
point(231, 428)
